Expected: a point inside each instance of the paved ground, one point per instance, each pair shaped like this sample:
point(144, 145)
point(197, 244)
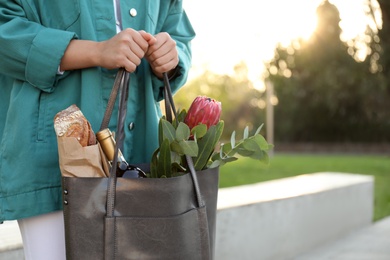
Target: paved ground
point(10, 241)
point(371, 243)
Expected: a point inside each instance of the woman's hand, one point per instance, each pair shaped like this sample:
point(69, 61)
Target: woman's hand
point(124, 50)
point(162, 54)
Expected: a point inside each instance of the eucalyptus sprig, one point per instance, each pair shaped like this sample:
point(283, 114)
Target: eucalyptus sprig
point(254, 147)
point(177, 140)
point(197, 134)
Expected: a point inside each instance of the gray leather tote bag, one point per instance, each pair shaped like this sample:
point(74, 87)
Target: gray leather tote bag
point(142, 218)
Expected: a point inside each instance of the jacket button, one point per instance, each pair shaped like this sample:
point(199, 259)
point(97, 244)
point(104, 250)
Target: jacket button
point(133, 12)
point(66, 192)
point(65, 202)
point(131, 126)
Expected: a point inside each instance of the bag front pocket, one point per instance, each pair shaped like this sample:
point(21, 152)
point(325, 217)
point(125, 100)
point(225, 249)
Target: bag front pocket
point(183, 236)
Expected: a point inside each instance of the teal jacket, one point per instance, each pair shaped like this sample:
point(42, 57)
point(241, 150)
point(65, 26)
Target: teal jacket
point(33, 37)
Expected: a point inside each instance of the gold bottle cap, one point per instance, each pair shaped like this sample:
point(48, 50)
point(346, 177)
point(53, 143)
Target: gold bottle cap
point(103, 134)
point(107, 143)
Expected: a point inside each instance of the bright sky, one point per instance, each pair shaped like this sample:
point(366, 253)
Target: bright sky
point(229, 32)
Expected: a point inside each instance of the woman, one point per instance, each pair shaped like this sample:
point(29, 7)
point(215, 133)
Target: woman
point(57, 53)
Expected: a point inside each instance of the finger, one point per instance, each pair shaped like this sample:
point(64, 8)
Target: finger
point(162, 48)
point(134, 58)
point(130, 66)
point(136, 49)
point(136, 39)
point(148, 37)
point(156, 48)
point(165, 63)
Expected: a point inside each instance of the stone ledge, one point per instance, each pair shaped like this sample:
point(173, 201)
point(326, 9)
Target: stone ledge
point(10, 238)
point(284, 218)
point(367, 243)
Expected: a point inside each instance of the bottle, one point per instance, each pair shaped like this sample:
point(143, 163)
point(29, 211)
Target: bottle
point(123, 169)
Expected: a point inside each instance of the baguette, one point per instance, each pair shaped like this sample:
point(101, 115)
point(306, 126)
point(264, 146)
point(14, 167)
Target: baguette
point(72, 123)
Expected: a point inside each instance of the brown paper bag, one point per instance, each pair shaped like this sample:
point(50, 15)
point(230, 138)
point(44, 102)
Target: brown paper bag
point(78, 161)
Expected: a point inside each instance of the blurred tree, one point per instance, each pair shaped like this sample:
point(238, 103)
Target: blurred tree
point(242, 104)
point(384, 38)
point(326, 90)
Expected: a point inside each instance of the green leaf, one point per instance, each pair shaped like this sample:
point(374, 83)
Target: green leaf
point(233, 139)
point(178, 167)
point(176, 148)
point(244, 152)
point(207, 145)
point(182, 115)
point(262, 143)
point(168, 131)
point(215, 164)
point(189, 148)
point(257, 155)
point(182, 132)
point(154, 164)
point(164, 160)
point(219, 131)
point(226, 148)
point(175, 157)
point(180, 118)
point(246, 132)
point(250, 144)
point(199, 131)
point(230, 159)
point(217, 156)
point(262, 156)
point(259, 129)
point(265, 158)
point(160, 132)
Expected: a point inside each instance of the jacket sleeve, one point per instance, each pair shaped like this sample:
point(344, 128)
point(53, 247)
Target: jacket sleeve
point(30, 51)
point(180, 29)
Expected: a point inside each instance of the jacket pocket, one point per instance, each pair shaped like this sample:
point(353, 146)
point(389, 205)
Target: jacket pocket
point(42, 111)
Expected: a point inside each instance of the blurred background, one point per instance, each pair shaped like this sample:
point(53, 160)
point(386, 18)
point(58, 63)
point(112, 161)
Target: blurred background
point(314, 72)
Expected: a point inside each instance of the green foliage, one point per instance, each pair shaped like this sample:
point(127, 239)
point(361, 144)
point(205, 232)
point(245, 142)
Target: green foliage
point(380, 46)
point(324, 94)
point(254, 147)
point(177, 142)
point(164, 162)
point(207, 145)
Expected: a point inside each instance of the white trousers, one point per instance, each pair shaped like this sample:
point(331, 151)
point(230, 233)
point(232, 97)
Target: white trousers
point(43, 236)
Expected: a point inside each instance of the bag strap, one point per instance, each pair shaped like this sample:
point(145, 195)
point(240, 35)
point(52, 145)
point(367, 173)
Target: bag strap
point(169, 109)
point(121, 85)
point(169, 104)
point(112, 99)
point(122, 81)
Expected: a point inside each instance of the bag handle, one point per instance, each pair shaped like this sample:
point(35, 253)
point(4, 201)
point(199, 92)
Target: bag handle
point(169, 109)
point(112, 99)
point(121, 85)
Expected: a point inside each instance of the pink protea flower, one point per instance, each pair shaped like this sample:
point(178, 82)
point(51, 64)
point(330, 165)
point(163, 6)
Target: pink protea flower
point(203, 110)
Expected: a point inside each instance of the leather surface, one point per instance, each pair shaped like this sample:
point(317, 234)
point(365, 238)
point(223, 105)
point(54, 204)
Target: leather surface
point(153, 218)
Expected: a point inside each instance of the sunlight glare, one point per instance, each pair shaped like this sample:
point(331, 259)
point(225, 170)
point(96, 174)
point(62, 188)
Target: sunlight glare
point(229, 33)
